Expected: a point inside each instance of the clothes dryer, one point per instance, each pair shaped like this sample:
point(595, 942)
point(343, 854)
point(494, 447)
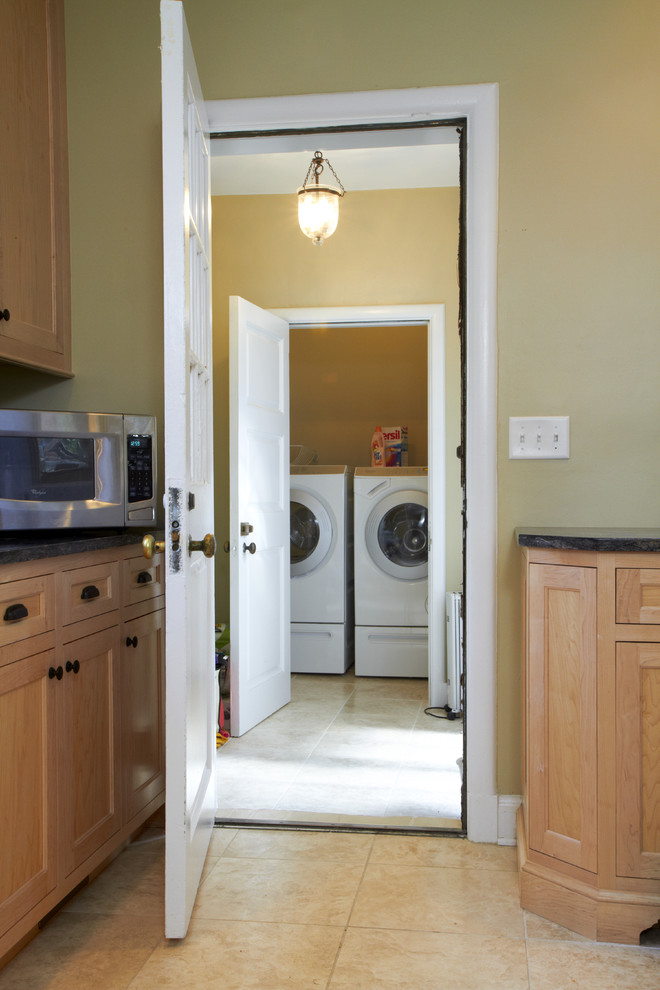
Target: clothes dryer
point(391, 571)
point(322, 620)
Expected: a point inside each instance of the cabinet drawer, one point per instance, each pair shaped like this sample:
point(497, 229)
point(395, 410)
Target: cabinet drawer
point(31, 600)
point(89, 591)
point(142, 579)
point(638, 595)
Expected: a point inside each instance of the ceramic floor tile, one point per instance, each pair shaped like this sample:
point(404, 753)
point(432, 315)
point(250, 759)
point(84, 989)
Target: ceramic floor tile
point(424, 850)
point(337, 799)
point(557, 965)
point(540, 928)
point(131, 885)
point(326, 846)
point(477, 902)
point(393, 960)
point(84, 952)
point(287, 891)
point(242, 956)
point(220, 839)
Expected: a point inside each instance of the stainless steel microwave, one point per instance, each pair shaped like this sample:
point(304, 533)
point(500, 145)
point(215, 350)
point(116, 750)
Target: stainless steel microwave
point(76, 470)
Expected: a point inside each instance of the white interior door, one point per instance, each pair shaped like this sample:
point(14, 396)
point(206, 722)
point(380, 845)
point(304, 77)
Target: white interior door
point(189, 630)
point(259, 521)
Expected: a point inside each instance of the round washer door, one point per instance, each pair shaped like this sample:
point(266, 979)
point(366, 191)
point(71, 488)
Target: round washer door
point(397, 535)
point(311, 532)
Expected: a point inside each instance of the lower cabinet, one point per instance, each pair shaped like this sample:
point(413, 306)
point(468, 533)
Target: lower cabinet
point(589, 826)
point(81, 722)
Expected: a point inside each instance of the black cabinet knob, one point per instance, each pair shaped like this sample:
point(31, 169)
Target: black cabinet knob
point(55, 672)
point(4, 315)
point(144, 577)
point(131, 641)
point(75, 666)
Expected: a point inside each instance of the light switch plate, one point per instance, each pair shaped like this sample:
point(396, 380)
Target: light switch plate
point(538, 437)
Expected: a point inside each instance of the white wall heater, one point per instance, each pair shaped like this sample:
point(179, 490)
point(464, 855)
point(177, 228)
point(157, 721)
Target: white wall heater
point(454, 651)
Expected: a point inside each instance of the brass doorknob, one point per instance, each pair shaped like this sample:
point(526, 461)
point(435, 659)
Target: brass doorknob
point(150, 546)
point(207, 545)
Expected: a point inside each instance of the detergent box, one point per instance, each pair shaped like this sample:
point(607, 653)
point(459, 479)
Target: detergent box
point(396, 446)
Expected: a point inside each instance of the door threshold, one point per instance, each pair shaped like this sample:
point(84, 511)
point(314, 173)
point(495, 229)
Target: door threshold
point(329, 826)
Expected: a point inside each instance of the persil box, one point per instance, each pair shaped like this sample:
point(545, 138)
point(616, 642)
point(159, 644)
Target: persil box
point(396, 446)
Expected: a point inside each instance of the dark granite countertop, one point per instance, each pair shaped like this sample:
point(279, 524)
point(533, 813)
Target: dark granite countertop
point(18, 547)
point(621, 539)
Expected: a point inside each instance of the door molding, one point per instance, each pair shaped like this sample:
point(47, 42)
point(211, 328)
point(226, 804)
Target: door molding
point(478, 105)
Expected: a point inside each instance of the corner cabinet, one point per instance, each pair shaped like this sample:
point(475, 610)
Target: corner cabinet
point(35, 290)
point(589, 826)
point(81, 721)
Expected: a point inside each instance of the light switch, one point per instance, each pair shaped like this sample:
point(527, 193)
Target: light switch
point(538, 437)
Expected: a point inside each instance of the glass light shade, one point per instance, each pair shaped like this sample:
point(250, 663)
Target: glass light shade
point(318, 211)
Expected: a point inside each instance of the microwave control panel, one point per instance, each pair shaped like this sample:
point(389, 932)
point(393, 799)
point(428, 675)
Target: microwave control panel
point(139, 474)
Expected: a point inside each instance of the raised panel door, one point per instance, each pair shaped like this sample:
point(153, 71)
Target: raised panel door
point(142, 707)
point(638, 759)
point(561, 730)
point(89, 745)
point(28, 797)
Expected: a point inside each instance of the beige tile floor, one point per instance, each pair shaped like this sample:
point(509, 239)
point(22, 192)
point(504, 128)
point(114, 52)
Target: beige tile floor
point(332, 911)
point(346, 750)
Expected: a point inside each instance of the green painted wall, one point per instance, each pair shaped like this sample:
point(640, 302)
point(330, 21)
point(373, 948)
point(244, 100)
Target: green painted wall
point(578, 286)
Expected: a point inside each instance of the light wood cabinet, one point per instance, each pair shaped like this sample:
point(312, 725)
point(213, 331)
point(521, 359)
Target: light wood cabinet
point(589, 827)
point(35, 291)
point(81, 721)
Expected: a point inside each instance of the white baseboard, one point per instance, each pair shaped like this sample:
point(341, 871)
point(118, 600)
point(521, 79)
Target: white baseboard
point(507, 807)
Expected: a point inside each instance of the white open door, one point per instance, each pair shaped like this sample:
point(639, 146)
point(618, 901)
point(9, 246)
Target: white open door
point(189, 630)
point(258, 514)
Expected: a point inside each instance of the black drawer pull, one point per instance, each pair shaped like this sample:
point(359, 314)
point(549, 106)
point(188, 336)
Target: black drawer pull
point(131, 642)
point(144, 577)
point(75, 666)
point(4, 315)
point(55, 672)
point(15, 612)
point(89, 591)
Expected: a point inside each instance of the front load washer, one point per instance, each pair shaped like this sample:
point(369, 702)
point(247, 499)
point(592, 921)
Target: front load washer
point(321, 569)
point(391, 571)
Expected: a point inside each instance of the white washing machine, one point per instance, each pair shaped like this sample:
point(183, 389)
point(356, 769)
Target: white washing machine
point(322, 621)
point(391, 572)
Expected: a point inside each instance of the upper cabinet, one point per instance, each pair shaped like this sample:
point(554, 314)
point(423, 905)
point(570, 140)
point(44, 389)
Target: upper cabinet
point(35, 283)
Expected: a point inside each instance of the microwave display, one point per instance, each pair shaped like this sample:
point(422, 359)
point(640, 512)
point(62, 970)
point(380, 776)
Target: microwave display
point(47, 469)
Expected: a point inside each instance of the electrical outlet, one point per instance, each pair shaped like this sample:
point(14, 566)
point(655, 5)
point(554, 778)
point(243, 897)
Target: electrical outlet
point(539, 437)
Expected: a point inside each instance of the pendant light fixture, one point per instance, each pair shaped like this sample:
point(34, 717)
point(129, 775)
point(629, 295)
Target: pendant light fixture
point(318, 204)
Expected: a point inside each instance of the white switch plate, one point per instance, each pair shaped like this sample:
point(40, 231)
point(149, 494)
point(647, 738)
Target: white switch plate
point(538, 437)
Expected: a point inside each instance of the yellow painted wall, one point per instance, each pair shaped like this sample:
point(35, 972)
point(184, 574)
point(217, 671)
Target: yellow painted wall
point(578, 286)
point(391, 247)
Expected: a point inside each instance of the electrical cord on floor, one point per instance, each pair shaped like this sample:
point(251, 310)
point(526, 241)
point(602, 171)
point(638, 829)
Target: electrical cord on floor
point(449, 713)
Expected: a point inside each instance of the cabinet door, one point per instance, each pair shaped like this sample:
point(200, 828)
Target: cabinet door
point(142, 681)
point(28, 799)
point(638, 759)
point(34, 187)
point(89, 743)
point(561, 713)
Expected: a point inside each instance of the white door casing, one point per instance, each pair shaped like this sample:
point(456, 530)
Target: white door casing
point(189, 641)
point(478, 105)
point(434, 317)
point(260, 569)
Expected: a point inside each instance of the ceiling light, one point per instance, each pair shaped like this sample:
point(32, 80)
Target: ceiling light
point(318, 204)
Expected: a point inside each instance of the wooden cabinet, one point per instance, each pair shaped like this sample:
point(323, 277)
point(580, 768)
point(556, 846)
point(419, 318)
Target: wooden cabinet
point(589, 827)
point(35, 293)
point(81, 721)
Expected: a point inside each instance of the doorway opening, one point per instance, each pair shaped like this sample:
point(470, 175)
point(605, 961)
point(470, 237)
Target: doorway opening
point(478, 105)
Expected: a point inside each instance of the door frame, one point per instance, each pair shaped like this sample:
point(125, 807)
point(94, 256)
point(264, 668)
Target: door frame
point(478, 105)
point(433, 315)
